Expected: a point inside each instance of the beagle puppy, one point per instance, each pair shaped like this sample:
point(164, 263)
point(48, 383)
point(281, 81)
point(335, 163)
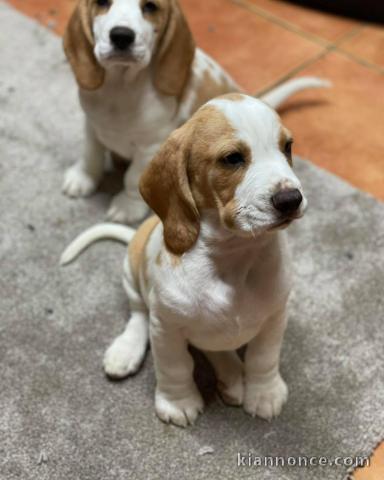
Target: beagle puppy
point(140, 76)
point(212, 269)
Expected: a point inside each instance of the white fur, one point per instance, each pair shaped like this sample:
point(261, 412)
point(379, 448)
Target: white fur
point(270, 169)
point(128, 116)
point(124, 13)
point(230, 289)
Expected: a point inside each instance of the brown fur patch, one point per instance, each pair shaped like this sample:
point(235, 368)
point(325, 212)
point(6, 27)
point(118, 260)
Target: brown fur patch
point(78, 46)
point(285, 136)
point(175, 50)
point(159, 17)
point(228, 214)
point(213, 184)
point(137, 248)
point(211, 87)
point(187, 176)
point(234, 97)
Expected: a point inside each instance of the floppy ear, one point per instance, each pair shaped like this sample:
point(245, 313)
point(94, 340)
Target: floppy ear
point(78, 46)
point(165, 187)
point(175, 53)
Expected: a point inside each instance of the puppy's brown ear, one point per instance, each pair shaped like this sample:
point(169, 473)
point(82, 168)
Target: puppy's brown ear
point(165, 187)
point(175, 53)
point(78, 46)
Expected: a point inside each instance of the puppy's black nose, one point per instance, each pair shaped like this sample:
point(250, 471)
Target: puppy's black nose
point(122, 37)
point(287, 201)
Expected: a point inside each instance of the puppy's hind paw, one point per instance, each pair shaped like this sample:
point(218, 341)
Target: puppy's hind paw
point(126, 210)
point(78, 183)
point(232, 393)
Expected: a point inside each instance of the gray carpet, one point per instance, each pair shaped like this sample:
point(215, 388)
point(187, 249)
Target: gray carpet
point(60, 418)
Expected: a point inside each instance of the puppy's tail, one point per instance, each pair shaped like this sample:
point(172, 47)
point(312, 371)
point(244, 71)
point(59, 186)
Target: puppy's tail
point(113, 231)
point(278, 95)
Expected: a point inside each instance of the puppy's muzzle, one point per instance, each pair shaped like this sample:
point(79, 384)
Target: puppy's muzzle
point(122, 38)
point(287, 201)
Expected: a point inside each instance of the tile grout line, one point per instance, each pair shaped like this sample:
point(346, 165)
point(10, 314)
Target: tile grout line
point(362, 61)
point(281, 22)
point(293, 72)
point(332, 47)
point(328, 45)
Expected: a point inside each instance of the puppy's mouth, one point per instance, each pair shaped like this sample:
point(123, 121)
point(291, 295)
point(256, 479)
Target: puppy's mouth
point(282, 223)
point(116, 56)
point(113, 56)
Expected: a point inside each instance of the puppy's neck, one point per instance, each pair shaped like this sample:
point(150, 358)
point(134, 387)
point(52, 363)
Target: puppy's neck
point(121, 76)
point(220, 242)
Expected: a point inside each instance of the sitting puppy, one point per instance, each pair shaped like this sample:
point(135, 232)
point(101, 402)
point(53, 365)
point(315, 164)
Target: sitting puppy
point(140, 77)
point(212, 269)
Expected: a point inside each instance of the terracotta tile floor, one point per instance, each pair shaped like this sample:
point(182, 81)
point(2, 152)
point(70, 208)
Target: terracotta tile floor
point(368, 45)
point(262, 42)
point(326, 27)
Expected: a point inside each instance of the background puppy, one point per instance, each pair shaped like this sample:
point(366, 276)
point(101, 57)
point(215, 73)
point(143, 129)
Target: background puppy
point(140, 77)
point(212, 270)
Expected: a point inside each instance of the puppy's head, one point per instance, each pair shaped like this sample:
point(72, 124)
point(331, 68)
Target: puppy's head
point(233, 157)
point(103, 34)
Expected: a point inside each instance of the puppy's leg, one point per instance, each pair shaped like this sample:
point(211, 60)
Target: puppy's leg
point(127, 351)
point(229, 371)
point(128, 205)
point(265, 390)
point(177, 399)
point(83, 178)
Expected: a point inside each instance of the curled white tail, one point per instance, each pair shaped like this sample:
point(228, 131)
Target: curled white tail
point(122, 233)
point(278, 95)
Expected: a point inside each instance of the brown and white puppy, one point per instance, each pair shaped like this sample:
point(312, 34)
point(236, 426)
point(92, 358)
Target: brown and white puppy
point(140, 76)
point(212, 269)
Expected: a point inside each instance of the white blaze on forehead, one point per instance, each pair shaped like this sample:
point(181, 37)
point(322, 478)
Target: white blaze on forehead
point(124, 13)
point(255, 122)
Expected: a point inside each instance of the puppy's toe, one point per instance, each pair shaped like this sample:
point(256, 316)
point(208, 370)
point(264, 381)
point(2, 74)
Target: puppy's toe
point(232, 392)
point(265, 400)
point(126, 210)
point(123, 357)
point(179, 411)
point(77, 183)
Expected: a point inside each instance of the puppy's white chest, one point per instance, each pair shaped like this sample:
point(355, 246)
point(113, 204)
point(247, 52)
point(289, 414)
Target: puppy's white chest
point(224, 308)
point(126, 118)
point(227, 316)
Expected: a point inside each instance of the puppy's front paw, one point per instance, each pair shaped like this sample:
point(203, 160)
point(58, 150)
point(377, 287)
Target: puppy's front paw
point(78, 183)
point(124, 357)
point(265, 399)
point(179, 411)
point(126, 210)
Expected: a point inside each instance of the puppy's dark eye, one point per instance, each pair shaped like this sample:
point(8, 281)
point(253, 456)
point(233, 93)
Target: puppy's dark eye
point(103, 3)
point(150, 7)
point(235, 159)
point(288, 148)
